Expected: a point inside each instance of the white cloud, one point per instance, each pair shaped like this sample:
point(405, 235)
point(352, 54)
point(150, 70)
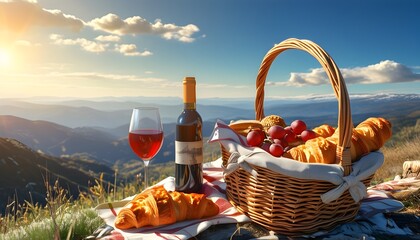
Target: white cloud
point(108, 38)
point(131, 50)
point(105, 76)
point(87, 45)
point(25, 43)
point(221, 86)
point(99, 46)
point(19, 15)
point(55, 80)
point(136, 25)
point(383, 72)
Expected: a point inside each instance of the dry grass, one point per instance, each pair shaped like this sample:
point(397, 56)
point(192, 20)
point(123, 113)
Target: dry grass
point(395, 156)
point(405, 146)
point(62, 217)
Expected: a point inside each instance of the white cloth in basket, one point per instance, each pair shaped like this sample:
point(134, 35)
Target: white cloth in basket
point(242, 156)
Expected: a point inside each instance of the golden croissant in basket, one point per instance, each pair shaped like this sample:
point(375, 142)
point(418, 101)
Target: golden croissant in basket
point(324, 130)
point(157, 206)
point(368, 136)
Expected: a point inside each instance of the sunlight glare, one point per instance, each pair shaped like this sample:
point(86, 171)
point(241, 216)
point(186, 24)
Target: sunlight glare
point(4, 58)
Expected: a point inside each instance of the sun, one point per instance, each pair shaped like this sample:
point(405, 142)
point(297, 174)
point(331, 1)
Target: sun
point(5, 58)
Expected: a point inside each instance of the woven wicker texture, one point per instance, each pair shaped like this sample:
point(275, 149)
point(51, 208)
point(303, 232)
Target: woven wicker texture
point(282, 203)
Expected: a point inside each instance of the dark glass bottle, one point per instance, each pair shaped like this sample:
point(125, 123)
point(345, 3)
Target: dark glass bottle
point(189, 143)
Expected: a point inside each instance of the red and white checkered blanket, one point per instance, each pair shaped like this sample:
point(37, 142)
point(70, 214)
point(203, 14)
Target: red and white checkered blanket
point(214, 189)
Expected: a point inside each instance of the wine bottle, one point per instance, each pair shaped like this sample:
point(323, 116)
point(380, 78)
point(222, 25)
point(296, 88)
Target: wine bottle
point(189, 143)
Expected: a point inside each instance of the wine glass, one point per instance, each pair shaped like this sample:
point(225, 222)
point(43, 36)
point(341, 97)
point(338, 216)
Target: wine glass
point(145, 135)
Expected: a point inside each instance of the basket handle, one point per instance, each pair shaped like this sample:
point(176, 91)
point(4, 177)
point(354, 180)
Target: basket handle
point(345, 124)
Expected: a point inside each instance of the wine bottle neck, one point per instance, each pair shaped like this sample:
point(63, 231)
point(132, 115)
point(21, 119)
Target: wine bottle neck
point(190, 106)
point(189, 92)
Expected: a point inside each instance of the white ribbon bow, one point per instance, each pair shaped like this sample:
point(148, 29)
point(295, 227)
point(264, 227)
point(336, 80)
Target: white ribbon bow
point(237, 160)
point(353, 183)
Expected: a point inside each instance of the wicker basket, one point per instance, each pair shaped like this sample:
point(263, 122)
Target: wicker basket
point(285, 204)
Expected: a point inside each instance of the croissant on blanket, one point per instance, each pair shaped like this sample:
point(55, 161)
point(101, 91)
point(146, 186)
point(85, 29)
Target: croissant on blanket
point(370, 135)
point(156, 207)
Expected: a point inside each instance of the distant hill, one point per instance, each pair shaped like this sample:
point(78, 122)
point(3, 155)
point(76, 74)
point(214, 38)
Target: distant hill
point(400, 109)
point(24, 172)
point(111, 113)
point(107, 147)
point(77, 116)
point(63, 115)
point(58, 140)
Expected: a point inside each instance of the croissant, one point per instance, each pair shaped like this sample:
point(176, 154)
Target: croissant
point(370, 135)
point(324, 130)
point(156, 207)
point(316, 150)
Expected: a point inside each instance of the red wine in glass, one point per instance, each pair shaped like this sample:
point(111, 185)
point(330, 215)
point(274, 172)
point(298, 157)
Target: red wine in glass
point(145, 143)
point(145, 135)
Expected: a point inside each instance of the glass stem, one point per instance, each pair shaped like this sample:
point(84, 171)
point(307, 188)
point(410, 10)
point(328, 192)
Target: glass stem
point(146, 177)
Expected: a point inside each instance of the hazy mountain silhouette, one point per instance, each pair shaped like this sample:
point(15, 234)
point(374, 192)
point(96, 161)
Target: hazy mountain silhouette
point(24, 173)
point(105, 147)
point(111, 113)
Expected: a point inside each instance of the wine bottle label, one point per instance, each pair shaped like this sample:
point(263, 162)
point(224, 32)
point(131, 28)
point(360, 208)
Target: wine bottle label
point(188, 153)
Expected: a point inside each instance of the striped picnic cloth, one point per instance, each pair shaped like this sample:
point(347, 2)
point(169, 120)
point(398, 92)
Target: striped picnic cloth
point(370, 219)
point(214, 189)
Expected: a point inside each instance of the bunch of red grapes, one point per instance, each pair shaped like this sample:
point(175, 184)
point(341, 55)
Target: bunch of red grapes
point(278, 140)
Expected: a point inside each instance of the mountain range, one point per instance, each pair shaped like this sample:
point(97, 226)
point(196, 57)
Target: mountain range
point(108, 147)
point(112, 113)
point(25, 173)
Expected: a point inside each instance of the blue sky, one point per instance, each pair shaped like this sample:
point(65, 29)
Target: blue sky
point(100, 48)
